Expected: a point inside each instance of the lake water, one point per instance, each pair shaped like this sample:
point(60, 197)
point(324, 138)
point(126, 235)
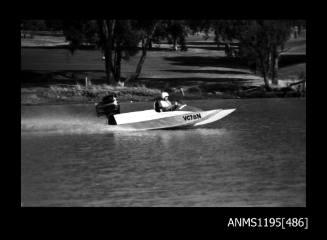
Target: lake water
point(254, 157)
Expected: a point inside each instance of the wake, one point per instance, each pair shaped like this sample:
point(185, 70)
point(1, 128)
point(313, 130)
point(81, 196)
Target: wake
point(66, 125)
point(63, 126)
point(76, 119)
point(81, 119)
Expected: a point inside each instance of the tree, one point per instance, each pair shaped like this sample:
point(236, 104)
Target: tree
point(53, 25)
point(106, 32)
point(279, 33)
point(197, 26)
point(116, 38)
point(299, 24)
point(146, 31)
point(226, 32)
point(126, 40)
point(261, 42)
point(176, 33)
point(264, 40)
point(156, 30)
point(33, 25)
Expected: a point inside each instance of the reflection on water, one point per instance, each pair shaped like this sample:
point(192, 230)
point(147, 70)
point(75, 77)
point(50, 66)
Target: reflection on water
point(166, 137)
point(254, 157)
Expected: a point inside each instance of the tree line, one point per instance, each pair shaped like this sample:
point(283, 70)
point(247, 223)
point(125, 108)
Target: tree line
point(259, 42)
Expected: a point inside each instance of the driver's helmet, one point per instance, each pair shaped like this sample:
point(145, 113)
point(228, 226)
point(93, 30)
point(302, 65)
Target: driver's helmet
point(164, 94)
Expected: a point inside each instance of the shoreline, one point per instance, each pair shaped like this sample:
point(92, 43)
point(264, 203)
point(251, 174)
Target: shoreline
point(56, 95)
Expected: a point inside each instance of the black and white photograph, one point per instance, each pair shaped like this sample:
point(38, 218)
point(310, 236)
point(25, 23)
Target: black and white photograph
point(163, 113)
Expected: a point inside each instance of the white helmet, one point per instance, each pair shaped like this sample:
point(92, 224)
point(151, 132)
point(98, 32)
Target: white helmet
point(164, 94)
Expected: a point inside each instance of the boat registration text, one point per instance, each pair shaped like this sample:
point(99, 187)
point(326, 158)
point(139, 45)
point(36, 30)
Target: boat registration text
point(192, 117)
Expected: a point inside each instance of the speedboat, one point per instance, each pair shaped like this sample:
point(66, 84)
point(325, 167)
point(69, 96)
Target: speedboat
point(150, 119)
point(183, 117)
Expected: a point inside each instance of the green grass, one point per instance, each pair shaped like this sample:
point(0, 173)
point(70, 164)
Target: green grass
point(43, 41)
point(293, 72)
point(79, 93)
point(296, 46)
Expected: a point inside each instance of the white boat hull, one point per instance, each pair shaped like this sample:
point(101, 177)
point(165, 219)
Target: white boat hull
point(150, 119)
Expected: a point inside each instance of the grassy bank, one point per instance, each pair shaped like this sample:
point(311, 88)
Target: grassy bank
point(62, 94)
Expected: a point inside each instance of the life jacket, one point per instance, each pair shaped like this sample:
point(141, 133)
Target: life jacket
point(158, 106)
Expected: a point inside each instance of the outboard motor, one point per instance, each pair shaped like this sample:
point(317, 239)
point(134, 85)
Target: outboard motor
point(108, 107)
point(156, 104)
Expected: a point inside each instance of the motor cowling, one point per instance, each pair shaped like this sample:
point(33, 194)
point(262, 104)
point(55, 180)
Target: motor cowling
point(107, 107)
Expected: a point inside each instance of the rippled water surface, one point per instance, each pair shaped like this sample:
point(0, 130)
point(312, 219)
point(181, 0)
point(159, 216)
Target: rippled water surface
point(254, 157)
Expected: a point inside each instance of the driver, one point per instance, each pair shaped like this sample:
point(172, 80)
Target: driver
point(164, 105)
